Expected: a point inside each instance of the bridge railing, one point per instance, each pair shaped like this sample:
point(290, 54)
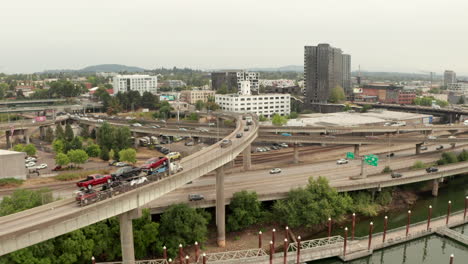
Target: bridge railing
point(315, 243)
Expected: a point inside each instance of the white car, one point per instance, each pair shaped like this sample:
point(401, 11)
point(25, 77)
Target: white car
point(30, 164)
point(100, 121)
point(138, 181)
point(275, 170)
point(452, 137)
point(136, 125)
point(42, 166)
point(30, 159)
point(120, 164)
point(431, 137)
point(342, 161)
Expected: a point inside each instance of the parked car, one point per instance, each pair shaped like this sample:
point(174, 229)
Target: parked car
point(120, 164)
point(42, 166)
point(173, 155)
point(342, 161)
point(432, 169)
point(195, 197)
point(396, 175)
point(30, 164)
point(93, 180)
point(226, 143)
point(30, 159)
point(275, 171)
point(189, 143)
point(440, 147)
point(423, 147)
point(239, 135)
point(86, 196)
point(284, 145)
point(57, 168)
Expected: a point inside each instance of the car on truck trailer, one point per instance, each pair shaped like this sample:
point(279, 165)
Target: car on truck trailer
point(93, 180)
point(154, 163)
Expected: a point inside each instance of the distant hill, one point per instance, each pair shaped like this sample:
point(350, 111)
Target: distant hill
point(101, 68)
point(288, 68)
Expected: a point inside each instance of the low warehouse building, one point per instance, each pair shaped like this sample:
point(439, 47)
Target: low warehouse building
point(12, 164)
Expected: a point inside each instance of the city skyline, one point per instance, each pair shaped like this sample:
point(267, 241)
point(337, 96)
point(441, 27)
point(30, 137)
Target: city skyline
point(199, 35)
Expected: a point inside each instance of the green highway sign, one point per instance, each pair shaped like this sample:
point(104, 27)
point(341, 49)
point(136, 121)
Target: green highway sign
point(371, 159)
point(349, 155)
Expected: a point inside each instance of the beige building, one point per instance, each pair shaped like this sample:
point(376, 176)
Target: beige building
point(193, 96)
point(12, 164)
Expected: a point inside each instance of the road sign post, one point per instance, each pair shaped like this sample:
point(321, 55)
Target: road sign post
point(371, 159)
point(349, 155)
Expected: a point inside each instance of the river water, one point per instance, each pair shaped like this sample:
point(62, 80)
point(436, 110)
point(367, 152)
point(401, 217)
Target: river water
point(429, 250)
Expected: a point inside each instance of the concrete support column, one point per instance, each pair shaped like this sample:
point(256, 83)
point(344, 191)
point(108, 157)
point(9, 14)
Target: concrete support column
point(452, 145)
point(296, 154)
point(435, 187)
point(126, 238)
point(26, 138)
point(220, 207)
point(42, 132)
point(418, 148)
point(8, 141)
point(247, 158)
point(356, 150)
point(135, 141)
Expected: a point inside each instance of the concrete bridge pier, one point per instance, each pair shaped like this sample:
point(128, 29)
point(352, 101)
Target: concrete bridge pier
point(356, 150)
point(247, 158)
point(296, 154)
point(8, 139)
point(220, 207)
point(135, 141)
point(126, 235)
point(418, 148)
point(435, 187)
point(42, 132)
point(26, 138)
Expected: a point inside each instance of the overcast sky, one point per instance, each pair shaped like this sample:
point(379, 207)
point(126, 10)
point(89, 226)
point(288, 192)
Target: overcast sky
point(380, 35)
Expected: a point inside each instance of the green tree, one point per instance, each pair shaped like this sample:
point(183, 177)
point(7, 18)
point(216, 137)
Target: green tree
point(312, 205)
point(447, 158)
point(122, 137)
point(30, 149)
point(49, 135)
point(366, 108)
point(244, 210)
point(76, 143)
point(18, 147)
point(199, 105)
point(363, 204)
point(69, 135)
point(193, 117)
point(181, 224)
point(105, 136)
point(337, 95)
point(77, 156)
point(62, 159)
point(211, 106)
point(22, 199)
point(418, 165)
point(104, 155)
point(223, 89)
point(128, 155)
point(387, 169)
point(146, 236)
point(262, 118)
point(278, 120)
point(463, 156)
point(293, 115)
point(59, 134)
point(93, 150)
point(58, 146)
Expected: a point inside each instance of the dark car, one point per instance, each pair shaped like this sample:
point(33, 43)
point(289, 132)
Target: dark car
point(239, 135)
point(246, 129)
point(396, 175)
point(195, 197)
point(440, 147)
point(126, 172)
point(390, 154)
point(57, 168)
point(432, 169)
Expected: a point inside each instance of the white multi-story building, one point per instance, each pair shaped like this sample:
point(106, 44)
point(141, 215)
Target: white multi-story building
point(140, 83)
point(263, 104)
point(449, 77)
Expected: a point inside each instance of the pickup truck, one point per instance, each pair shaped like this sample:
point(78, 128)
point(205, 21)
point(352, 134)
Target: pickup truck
point(154, 163)
point(126, 172)
point(93, 180)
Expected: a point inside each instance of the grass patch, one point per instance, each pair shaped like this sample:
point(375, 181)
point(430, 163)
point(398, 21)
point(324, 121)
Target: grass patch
point(69, 176)
point(418, 165)
point(10, 182)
